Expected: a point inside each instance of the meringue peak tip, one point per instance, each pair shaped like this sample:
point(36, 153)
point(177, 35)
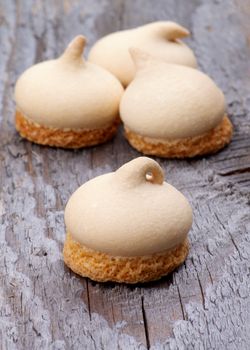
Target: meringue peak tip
point(139, 57)
point(171, 30)
point(141, 170)
point(138, 54)
point(78, 42)
point(75, 48)
point(177, 32)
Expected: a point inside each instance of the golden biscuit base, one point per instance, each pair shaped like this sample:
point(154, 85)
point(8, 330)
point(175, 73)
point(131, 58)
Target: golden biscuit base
point(71, 138)
point(102, 267)
point(208, 143)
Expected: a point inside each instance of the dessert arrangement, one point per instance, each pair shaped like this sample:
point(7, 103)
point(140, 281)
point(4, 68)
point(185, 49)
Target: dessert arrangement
point(129, 225)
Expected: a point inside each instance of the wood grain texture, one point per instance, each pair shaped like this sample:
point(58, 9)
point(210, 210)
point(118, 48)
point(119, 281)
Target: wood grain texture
point(205, 304)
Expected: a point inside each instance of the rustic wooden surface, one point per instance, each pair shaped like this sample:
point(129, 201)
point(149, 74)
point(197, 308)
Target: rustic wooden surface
point(205, 304)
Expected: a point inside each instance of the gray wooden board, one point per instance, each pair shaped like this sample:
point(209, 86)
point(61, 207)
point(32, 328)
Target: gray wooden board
point(205, 304)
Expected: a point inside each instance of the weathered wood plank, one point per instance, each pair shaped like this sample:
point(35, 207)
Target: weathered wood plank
point(205, 303)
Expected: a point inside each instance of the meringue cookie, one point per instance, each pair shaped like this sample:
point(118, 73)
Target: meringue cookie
point(172, 110)
point(160, 39)
point(127, 226)
point(67, 102)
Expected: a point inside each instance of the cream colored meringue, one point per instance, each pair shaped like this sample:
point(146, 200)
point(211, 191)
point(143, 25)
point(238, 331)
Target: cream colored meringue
point(129, 212)
point(69, 92)
point(167, 101)
point(160, 39)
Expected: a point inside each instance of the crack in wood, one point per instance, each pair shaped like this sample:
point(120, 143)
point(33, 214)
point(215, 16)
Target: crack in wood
point(88, 298)
point(229, 233)
point(145, 323)
point(209, 273)
point(235, 245)
point(201, 289)
point(235, 172)
point(180, 300)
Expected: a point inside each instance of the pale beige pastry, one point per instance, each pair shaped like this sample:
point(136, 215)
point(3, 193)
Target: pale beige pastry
point(127, 226)
point(171, 110)
point(160, 39)
point(67, 102)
